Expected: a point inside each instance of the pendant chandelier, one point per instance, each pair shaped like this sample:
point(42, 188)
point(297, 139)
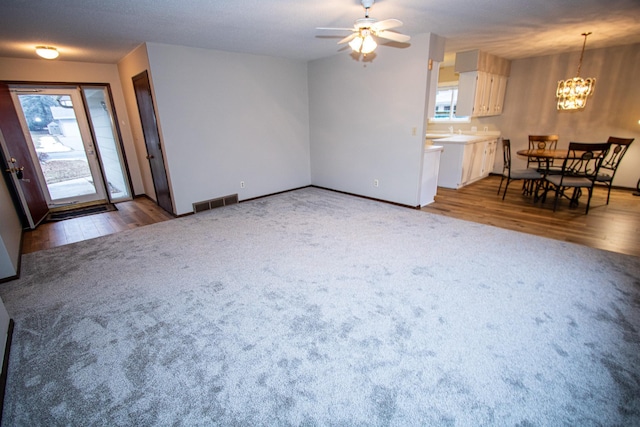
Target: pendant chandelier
point(572, 93)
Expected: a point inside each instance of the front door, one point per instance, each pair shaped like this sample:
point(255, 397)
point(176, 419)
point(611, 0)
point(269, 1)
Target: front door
point(142, 89)
point(61, 145)
point(18, 163)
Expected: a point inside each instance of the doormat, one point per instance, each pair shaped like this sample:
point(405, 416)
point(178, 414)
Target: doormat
point(75, 213)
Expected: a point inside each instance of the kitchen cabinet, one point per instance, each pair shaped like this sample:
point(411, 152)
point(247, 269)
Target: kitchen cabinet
point(480, 94)
point(496, 97)
point(430, 169)
point(482, 83)
point(489, 157)
point(466, 159)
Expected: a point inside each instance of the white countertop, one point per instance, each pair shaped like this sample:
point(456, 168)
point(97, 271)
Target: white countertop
point(467, 139)
point(461, 138)
point(429, 148)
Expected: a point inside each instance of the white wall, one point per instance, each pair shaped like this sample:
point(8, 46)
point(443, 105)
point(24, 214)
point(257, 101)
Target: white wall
point(40, 70)
point(363, 116)
point(228, 117)
point(10, 234)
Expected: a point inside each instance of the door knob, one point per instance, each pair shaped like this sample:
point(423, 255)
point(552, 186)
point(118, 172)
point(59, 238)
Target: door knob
point(18, 171)
point(150, 156)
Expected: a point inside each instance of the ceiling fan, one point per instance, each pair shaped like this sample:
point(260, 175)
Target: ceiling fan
point(365, 30)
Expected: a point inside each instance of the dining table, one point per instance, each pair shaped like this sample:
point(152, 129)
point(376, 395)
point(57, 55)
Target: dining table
point(543, 154)
point(545, 158)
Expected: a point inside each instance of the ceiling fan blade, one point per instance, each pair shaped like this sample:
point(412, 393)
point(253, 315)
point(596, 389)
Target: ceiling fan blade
point(333, 29)
point(348, 38)
point(386, 24)
point(396, 37)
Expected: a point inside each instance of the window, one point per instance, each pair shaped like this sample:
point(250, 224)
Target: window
point(446, 100)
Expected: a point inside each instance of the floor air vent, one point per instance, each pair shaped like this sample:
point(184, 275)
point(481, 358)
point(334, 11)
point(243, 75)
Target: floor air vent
point(215, 203)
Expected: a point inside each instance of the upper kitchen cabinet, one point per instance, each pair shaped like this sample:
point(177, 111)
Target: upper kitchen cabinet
point(482, 83)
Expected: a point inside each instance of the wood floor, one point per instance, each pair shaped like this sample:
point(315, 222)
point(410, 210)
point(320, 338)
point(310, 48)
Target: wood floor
point(614, 227)
point(131, 214)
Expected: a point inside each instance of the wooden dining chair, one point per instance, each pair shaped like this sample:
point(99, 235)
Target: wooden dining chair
point(619, 147)
point(542, 142)
point(531, 176)
point(579, 171)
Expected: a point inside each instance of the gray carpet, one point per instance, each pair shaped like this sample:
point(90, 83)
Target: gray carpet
point(318, 308)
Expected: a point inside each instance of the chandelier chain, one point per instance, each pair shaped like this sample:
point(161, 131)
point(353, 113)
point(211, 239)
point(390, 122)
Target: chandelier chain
point(582, 54)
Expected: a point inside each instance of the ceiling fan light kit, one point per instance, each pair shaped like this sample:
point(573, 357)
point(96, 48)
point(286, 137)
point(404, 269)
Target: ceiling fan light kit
point(366, 30)
point(363, 42)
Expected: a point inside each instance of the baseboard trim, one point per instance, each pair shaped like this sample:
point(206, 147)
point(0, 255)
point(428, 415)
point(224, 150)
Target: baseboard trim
point(5, 366)
point(273, 194)
point(402, 205)
point(10, 278)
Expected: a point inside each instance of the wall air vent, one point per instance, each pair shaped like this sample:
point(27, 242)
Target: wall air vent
point(231, 200)
point(206, 205)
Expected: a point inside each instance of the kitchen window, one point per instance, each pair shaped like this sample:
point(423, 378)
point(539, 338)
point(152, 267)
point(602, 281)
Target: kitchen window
point(446, 100)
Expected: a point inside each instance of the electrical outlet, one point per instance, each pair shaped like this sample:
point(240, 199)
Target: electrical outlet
point(414, 130)
point(376, 183)
point(241, 184)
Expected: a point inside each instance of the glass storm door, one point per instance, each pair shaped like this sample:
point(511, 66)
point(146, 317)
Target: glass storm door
point(60, 141)
point(103, 124)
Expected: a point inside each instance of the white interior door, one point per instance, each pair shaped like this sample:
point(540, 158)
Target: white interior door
point(61, 145)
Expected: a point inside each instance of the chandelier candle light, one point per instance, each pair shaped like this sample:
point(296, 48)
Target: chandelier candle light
point(572, 93)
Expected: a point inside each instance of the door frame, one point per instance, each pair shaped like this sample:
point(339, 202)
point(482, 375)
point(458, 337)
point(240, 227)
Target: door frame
point(33, 208)
point(86, 136)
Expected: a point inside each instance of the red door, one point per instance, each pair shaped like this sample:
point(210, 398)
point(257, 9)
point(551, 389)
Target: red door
point(18, 160)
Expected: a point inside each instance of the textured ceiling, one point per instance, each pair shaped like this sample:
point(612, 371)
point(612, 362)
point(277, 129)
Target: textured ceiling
point(106, 30)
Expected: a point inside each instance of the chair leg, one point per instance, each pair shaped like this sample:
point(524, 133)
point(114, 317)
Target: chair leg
point(544, 192)
point(500, 186)
point(535, 188)
point(505, 189)
point(588, 200)
point(575, 197)
point(528, 186)
point(555, 202)
point(608, 192)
